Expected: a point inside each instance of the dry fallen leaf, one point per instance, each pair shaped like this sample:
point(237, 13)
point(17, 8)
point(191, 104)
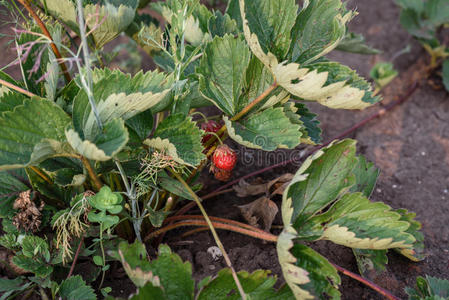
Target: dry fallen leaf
point(260, 213)
point(244, 189)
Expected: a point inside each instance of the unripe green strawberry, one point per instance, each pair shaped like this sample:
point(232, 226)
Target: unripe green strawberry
point(224, 158)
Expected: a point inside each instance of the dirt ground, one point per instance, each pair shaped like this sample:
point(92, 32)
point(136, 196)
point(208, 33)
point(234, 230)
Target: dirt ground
point(410, 145)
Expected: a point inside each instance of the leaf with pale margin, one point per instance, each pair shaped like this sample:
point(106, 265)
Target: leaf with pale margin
point(355, 43)
point(320, 27)
point(307, 273)
point(75, 288)
point(257, 286)
point(267, 130)
point(429, 288)
point(222, 72)
point(117, 95)
point(371, 263)
point(31, 132)
point(329, 83)
point(356, 222)
point(299, 114)
point(104, 146)
point(109, 19)
point(136, 265)
point(178, 137)
point(416, 253)
point(322, 178)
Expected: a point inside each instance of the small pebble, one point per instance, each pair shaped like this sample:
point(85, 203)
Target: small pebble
point(394, 186)
point(211, 267)
point(423, 153)
point(215, 252)
point(445, 191)
point(378, 190)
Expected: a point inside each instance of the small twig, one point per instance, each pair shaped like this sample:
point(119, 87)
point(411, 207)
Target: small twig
point(214, 233)
point(366, 282)
point(266, 236)
point(48, 35)
point(17, 89)
point(75, 258)
point(91, 173)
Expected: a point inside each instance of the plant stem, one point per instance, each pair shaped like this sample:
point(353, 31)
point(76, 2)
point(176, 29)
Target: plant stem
point(17, 89)
point(102, 255)
point(75, 258)
point(48, 35)
point(255, 102)
point(366, 282)
point(41, 174)
point(91, 172)
point(252, 233)
point(215, 219)
point(85, 47)
point(131, 196)
point(214, 233)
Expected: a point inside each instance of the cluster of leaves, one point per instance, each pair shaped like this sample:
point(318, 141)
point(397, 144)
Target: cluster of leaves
point(423, 19)
point(99, 149)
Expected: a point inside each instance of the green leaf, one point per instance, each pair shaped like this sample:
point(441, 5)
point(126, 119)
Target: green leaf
point(365, 177)
point(307, 273)
point(110, 19)
point(429, 288)
point(150, 292)
point(10, 286)
point(75, 288)
point(106, 220)
point(416, 253)
point(10, 187)
point(383, 73)
point(173, 186)
point(142, 124)
point(446, 74)
point(257, 286)
point(299, 114)
point(69, 177)
point(10, 100)
point(117, 95)
point(371, 263)
point(222, 71)
point(220, 25)
point(106, 200)
point(272, 22)
point(63, 10)
point(355, 222)
point(33, 246)
point(31, 133)
point(310, 41)
point(98, 260)
point(157, 217)
point(104, 146)
point(268, 130)
point(179, 137)
point(136, 265)
point(321, 179)
point(355, 43)
point(36, 266)
point(7, 78)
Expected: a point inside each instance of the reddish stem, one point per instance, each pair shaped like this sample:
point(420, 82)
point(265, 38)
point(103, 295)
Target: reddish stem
point(253, 233)
point(366, 282)
point(75, 258)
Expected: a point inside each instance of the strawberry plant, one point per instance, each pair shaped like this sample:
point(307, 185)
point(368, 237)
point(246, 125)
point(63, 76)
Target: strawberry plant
point(102, 157)
point(424, 19)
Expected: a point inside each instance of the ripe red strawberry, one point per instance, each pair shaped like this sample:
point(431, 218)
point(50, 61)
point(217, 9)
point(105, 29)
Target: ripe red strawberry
point(223, 161)
point(224, 158)
point(209, 126)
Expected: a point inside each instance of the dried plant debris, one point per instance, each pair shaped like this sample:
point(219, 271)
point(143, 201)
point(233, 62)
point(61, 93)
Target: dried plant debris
point(261, 212)
point(29, 215)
